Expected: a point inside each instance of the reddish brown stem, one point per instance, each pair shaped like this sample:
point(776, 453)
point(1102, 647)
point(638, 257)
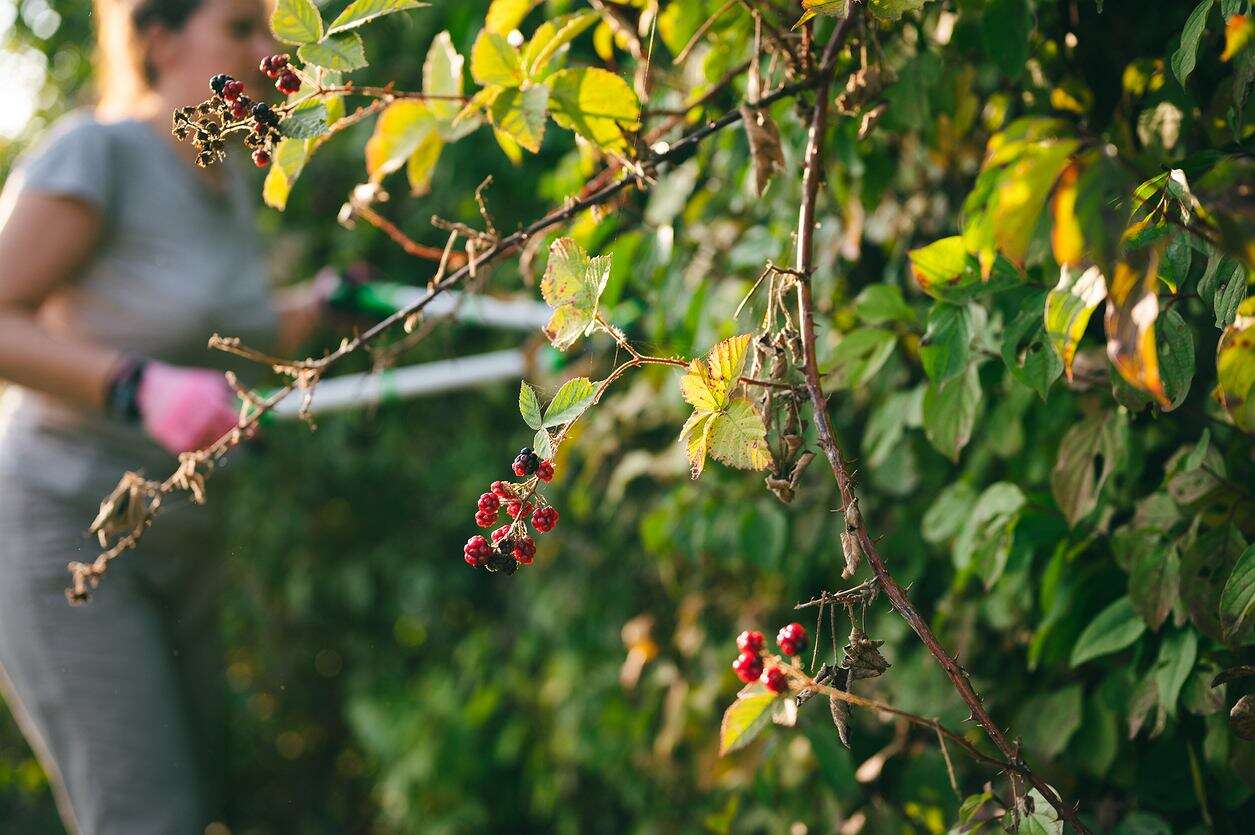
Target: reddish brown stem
point(811, 176)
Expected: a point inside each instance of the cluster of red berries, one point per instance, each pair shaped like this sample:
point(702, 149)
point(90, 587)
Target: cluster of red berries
point(510, 545)
point(749, 665)
point(276, 67)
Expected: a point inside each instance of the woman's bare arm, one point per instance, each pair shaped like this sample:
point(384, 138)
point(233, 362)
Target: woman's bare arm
point(44, 239)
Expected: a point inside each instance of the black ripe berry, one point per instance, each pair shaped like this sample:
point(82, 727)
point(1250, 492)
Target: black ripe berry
point(265, 114)
point(219, 82)
point(525, 463)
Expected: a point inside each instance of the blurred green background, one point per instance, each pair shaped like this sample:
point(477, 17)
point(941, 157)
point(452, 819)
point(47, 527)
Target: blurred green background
point(379, 686)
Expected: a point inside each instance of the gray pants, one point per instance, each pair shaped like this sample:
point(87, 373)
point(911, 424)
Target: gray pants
point(120, 698)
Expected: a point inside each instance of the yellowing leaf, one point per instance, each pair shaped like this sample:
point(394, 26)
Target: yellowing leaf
point(520, 115)
point(1132, 307)
point(442, 76)
point(495, 62)
point(1068, 308)
point(1239, 32)
point(572, 284)
point(738, 436)
point(1065, 237)
point(811, 8)
point(1021, 194)
point(551, 36)
point(596, 104)
point(401, 129)
point(707, 384)
point(695, 436)
point(1235, 368)
point(745, 718)
point(505, 15)
point(422, 163)
point(289, 159)
point(364, 11)
point(296, 21)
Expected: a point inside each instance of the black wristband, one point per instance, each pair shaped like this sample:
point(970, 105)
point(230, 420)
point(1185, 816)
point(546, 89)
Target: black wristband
point(122, 395)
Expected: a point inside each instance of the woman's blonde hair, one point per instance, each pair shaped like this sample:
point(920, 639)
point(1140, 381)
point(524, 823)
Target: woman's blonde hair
point(123, 74)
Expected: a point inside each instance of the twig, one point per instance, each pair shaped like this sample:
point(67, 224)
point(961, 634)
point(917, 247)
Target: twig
point(683, 54)
point(812, 173)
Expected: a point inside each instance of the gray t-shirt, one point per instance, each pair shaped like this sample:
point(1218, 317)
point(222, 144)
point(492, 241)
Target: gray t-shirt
point(176, 263)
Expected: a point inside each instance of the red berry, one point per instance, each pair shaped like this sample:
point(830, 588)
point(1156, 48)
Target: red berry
point(751, 641)
point(515, 509)
point(520, 469)
point(747, 667)
point(545, 519)
point(775, 680)
point(792, 639)
point(260, 158)
point(486, 518)
point(288, 82)
point(241, 107)
point(232, 90)
point(500, 490)
point(499, 533)
point(488, 501)
point(476, 550)
point(545, 471)
point(525, 550)
point(272, 65)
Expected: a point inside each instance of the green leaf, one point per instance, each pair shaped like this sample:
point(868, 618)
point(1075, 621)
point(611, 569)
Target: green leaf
point(945, 347)
point(880, 303)
point(1142, 823)
point(542, 445)
point(494, 62)
point(296, 22)
point(285, 167)
point(1237, 601)
point(1223, 286)
point(1016, 202)
point(1026, 351)
point(887, 423)
point(1005, 27)
point(1207, 563)
point(572, 285)
point(1048, 720)
point(1195, 459)
point(341, 53)
point(745, 718)
point(1115, 628)
point(984, 542)
point(520, 115)
point(442, 76)
point(1154, 577)
point(551, 36)
point(1177, 654)
point(1235, 368)
point(950, 411)
point(364, 11)
point(738, 436)
point(1087, 456)
point(948, 513)
point(859, 355)
point(596, 104)
point(882, 9)
point(1068, 308)
point(1175, 345)
point(305, 122)
point(1187, 53)
point(570, 402)
point(529, 406)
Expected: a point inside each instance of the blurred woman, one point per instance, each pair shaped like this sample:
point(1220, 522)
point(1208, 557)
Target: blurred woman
point(118, 259)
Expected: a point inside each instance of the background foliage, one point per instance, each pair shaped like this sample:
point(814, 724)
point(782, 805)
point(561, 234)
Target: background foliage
point(380, 686)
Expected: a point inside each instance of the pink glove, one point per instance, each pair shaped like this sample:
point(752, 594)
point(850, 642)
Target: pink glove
point(185, 409)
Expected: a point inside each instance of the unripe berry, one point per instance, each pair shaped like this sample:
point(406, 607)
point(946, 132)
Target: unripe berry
point(747, 667)
point(515, 509)
point(232, 90)
point(751, 640)
point(500, 490)
point(544, 519)
point(487, 501)
point(476, 551)
point(775, 680)
point(525, 550)
point(792, 639)
point(272, 65)
point(288, 82)
point(260, 158)
point(498, 533)
point(241, 107)
point(486, 518)
point(545, 471)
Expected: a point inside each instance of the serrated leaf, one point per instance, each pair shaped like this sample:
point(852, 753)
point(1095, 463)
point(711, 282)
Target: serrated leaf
point(529, 406)
point(296, 22)
point(572, 399)
point(945, 348)
point(707, 385)
point(542, 445)
point(1114, 629)
point(1235, 368)
point(400, 130)
point(1088, 454)
point(364, 11)
point(1132, 307)
point(338, 52)
point(1186, 55)
point(285, 167)
point(305, 122)
point(1068, 308)
point(551, 36)
point(745, 718)
point(695, 438)
point(494, 62)
point(1237, 601)
point(596, 104)
point(520, 115)
point(950, 411)
point(572, 285)
point(738, 436)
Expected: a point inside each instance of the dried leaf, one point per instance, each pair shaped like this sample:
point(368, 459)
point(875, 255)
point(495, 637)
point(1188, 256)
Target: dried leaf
point(1132, 307)
point(764, 140)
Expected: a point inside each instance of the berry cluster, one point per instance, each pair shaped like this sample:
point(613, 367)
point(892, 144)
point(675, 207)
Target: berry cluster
point(230, 110)
point(751, 666)
point(510, 546)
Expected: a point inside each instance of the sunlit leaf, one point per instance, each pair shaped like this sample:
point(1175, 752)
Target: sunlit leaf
point(946, 271)
point(364, 11)
point(442, 76)
point(296, 21)
point(745, 718)
point(1066, 239)
point(1235, 368)
point(339, 52)
point(596, 104)
point(572, 399)
point(520, 115)
point(495, 62)
point(529, 406)
point(1132, 308)
point(812, 8)
point(400, 130)
point(286, 164)
point(738, 436)
point(1068, 308)
point(707, 385)
point(695, 438)
point(572, 285)
point(306, 122)
point(550, 37)
point(506, 15)
point(421, 164)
